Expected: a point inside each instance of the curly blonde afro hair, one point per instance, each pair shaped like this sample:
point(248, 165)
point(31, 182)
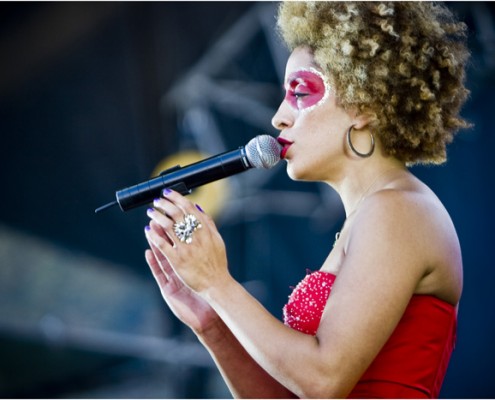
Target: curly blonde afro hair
point(403, 63)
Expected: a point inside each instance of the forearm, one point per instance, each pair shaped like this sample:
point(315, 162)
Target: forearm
point(244, 377)
point(276, 348)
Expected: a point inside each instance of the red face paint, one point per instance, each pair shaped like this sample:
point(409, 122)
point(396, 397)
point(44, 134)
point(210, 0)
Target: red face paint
point(306, 89)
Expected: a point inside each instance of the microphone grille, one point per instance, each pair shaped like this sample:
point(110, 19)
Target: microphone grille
point(263, 151)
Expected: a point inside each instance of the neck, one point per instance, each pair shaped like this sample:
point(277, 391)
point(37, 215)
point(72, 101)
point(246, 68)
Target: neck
point(360, 179)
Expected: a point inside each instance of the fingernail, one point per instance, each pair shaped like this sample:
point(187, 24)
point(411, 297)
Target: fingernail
point(150, 210)
point(199, 208)
point(147, 228)
point(166, 192)
point(156, 200)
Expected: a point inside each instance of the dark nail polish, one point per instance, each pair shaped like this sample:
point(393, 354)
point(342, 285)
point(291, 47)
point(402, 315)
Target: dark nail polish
point(150, 210)
point(147, 228)
point(199, 208)
point(166, 192)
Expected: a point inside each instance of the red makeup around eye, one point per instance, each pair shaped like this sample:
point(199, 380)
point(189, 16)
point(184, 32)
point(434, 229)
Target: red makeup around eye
point(305, 89)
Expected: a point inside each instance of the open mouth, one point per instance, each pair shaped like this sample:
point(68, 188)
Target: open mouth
point(285, 146)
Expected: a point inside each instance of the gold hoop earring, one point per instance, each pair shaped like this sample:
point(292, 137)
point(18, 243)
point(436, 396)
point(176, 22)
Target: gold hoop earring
point(359, 154)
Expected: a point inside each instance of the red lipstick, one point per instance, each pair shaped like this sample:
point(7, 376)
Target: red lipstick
point(285, 146)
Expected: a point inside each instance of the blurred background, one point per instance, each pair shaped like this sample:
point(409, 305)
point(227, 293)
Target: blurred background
point(97, 96)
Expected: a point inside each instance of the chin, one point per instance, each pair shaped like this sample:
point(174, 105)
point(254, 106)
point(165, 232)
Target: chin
point(295, 174)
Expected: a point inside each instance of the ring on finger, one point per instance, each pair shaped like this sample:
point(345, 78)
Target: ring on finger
point(184, 229)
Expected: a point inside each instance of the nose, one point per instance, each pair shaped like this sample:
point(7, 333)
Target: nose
point(282, 118)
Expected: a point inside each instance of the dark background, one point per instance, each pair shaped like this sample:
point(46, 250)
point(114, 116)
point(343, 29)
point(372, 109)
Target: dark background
point(93, 98)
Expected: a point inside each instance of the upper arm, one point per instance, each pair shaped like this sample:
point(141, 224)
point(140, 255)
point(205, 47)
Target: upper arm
point(380, 271)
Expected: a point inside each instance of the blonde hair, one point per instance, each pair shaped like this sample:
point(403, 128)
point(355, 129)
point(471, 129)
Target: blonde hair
point(401, 62)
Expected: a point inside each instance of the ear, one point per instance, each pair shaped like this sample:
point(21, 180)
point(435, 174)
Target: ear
point(362, 120)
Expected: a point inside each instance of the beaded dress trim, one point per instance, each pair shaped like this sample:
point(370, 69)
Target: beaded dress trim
point(307, 301)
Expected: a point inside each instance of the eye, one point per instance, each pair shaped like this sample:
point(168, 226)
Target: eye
point(299, 95)
point(305, 88)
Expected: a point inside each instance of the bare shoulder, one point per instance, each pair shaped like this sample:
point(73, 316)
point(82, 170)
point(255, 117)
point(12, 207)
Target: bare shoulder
point(413, 207)
point(407, 227)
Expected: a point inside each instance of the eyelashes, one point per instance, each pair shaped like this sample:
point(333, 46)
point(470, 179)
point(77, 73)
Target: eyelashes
point(302, 100)
point(299, 95)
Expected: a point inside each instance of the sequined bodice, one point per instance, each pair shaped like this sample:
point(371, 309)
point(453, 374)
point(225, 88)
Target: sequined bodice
point(306, 303)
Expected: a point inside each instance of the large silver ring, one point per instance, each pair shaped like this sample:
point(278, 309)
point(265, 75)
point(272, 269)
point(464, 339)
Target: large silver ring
point(184, 229)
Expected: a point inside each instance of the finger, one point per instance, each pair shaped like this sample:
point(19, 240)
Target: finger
point(177, 206)
point(204, 216)
point(158, 239)
point(157, 262)
point(169, 208)
point(173, 215)
point(181, 202)
point(162, 232)
point(162, 261)
point(162, 224)
point(188, 207)
point(157, 272)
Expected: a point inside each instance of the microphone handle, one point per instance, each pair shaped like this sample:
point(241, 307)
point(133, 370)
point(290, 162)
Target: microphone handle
point(183, 180)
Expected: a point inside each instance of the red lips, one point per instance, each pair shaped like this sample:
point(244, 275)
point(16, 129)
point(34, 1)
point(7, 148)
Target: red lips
point(285, 146)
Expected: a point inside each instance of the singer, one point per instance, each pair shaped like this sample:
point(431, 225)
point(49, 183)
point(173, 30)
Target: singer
point(371, 89)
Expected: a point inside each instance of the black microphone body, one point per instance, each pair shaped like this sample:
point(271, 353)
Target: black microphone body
point(183, 180)
point(261, 152)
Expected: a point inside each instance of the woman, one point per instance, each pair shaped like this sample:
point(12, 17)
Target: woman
point(370, 89)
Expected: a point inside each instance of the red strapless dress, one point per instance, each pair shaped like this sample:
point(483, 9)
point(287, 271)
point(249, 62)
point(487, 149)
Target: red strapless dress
point(414, 360)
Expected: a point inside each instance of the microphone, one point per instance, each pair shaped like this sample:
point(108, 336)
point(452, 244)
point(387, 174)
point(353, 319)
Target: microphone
point(261, 152)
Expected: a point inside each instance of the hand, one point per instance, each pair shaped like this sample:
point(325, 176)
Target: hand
point(186, 305)
point(200, 264)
